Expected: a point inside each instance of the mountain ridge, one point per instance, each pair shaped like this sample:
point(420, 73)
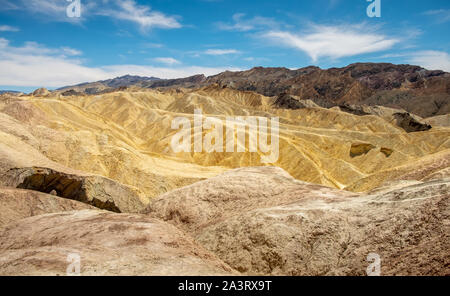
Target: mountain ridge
point(412, 88)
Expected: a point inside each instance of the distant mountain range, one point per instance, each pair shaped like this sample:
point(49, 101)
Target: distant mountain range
point(9, 91)
point(415, 89)
point(104, 85)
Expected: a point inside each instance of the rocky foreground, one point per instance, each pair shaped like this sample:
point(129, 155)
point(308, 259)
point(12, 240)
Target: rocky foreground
point(251, 221)
point(93, 176)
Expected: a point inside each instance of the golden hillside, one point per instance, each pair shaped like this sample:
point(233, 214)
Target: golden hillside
point(126, 136)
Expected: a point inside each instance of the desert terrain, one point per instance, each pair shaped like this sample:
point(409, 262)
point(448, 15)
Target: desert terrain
point(363, 167)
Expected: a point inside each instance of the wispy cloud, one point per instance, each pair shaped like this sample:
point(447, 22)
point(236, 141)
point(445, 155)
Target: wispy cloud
point(431, 59)
point(441, 15)
point(333, 41)
point(71, 51)
point(49, 7)
point(36, 65)
point(143, 15)
point(6, 28)
point(152, 45)
point(8, 5)
point(241, 24)
point(53, 10)
point(167, 61)
point(124, 10)
point(221, 51)
point(333, 3)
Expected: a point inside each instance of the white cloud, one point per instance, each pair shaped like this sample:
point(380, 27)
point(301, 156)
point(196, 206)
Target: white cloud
point(241, 24)
point(142, 15)
point(393, 55)
point(6, 28)
point(125, 10)
point(221, 51)
point(35, 65)
point(71, 51)
point(152, 45)
point(431, 60)
point(54, 10)
point(441, 15)
point(333, 41)
point(167, 61)
point(8, 5)
point(48, 7)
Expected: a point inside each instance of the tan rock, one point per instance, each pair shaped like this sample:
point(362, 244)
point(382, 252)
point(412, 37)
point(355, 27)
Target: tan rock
point(41, 92)
point(440, 120)
point(237, 191)
point(292, 228)
point(17, 204)
point(106, 243)
point(97, 191)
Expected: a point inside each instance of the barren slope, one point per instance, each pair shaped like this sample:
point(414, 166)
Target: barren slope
point(261, 221)
point(126, 136)
point(108, 244)
point(17, 204)
point(305, 214)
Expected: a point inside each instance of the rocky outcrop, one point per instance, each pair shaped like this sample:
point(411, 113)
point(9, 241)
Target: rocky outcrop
point(328, 236)
point(236, 191)
point(288, 227)
point(353, 109)
point(106, 243)
point(386, 151)
point(291, 102)
point(71, 92)
point(254, 221)
point(41, 92)
point(97, 191)
point(409, 124)
point(17, 204)
point(359, 149)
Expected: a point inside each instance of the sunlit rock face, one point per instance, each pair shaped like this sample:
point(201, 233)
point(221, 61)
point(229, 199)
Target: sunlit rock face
point(262, 221)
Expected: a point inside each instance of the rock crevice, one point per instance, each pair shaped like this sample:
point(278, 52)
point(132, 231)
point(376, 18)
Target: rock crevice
point(94, 190)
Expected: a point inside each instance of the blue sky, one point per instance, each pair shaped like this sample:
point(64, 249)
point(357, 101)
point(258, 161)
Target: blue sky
point(41, 46)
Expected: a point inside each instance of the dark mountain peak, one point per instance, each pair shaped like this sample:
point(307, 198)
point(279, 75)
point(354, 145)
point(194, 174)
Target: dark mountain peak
point(410, 87)
point(364, 69)
point(191, 81)
point(128, 76)
point(309, 68)
point(382, 67)
point(265, 69)
point(127, 80)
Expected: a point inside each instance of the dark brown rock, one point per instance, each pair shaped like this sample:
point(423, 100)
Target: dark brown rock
point(409, 124)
